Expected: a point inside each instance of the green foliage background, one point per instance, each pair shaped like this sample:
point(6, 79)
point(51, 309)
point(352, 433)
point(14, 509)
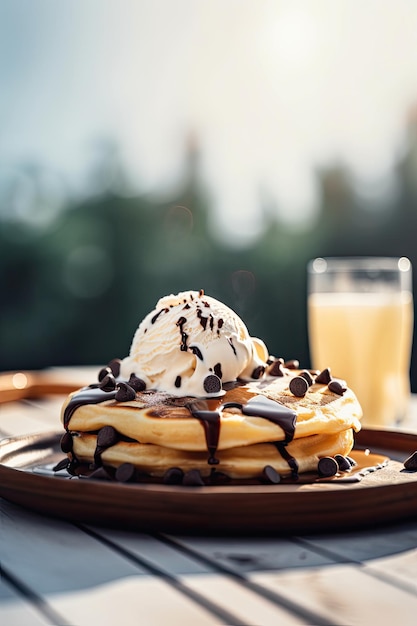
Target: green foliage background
point(75, 283)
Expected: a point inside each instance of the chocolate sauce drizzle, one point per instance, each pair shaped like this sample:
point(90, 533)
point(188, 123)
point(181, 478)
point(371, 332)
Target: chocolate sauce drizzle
point(210, 420)
point(88, 395)
point(184, 335)
point(203, 320)
point(229, 339)
point(155, 317)
point(259, 406)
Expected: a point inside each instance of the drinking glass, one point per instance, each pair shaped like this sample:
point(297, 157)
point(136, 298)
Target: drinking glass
point(360, 324)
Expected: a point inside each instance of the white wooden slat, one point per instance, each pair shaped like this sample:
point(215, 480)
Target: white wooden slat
point(400, 568)
point(47, 409)
point(362, 546)
point(83, 580)
point(317, 579)
point(387, 552)
point(15, 611)
point(18, 418)
point(248, 605)
point(132, 601)
point(224, 591)
point(245, 554)
point(344, 594)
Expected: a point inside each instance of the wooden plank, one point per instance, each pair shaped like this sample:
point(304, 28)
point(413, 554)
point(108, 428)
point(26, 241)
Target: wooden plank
point(242, 555)
point(400, 569)
point(246, 554)
point(344, 594)
point(17, 418)
point(204, 579)
point(48, 409)
point(15, 611)
point(387, 552)
point(323, 581)
point(368, 544)
point(132, 601)
point(83, 581)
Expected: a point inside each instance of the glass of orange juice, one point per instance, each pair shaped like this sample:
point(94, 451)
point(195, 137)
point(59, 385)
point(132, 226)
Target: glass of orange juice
point(360, 325)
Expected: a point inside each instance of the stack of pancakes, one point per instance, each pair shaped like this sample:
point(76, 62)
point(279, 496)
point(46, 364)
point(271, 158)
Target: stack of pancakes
point(254, 425)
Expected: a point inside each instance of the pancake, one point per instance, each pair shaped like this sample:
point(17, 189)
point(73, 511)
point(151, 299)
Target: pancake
point(244, 462)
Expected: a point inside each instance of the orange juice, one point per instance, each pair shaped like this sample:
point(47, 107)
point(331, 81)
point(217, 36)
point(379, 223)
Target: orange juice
point(365, 338)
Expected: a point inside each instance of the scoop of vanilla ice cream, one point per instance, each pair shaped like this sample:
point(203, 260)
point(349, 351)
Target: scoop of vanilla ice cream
point(191, 344)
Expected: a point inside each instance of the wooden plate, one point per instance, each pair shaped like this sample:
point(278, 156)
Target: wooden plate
point(386, 495)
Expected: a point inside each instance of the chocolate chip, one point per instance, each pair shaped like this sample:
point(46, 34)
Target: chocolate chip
point(298, 386)
point(125, 473)
point(306, 374)
point(63, 464)
point(411, 463)
point(218, 370)
point(125, 393)
point(324, 377)
point(337, 386)
point(292, 364)
point(230, 342)
point(155, 317)
point(193, 478)
point(66, 442)
point(72, 467)
point(103, 373)
point(258, 372)
point(173, 476)
point(108, 383)
point(178, 382)
point(219, 478)
point(327, 466)
point(100, 474)
point(107, 436)
point(276, 368)
point(342, 462)
point(270, 475)
point(137, 383)
point(115, 367)
point(212, 384)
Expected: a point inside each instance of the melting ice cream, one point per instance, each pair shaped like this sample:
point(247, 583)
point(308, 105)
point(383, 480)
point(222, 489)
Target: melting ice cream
point(192, 344)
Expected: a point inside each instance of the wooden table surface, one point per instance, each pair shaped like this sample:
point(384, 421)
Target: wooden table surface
point(56, 572)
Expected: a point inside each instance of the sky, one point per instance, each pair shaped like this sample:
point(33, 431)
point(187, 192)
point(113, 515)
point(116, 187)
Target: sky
point(272, 89)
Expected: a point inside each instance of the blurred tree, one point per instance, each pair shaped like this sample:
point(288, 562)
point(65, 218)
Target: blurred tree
point(76, 285)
